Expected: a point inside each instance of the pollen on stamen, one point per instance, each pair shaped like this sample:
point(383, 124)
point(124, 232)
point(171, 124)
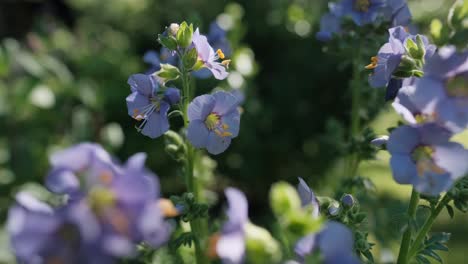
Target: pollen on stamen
point(226, 63)
point(220, 54)
point(106, 177)
point(373, 64)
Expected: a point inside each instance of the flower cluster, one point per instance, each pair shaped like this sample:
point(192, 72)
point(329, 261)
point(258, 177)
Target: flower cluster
point(108, 210)
point(435, 108)
point(362, 12)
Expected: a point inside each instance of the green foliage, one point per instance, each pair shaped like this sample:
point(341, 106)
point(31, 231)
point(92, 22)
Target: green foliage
point(190, 209)
point(436, 242)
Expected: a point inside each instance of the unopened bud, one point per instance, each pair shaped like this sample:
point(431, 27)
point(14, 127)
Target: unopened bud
point(380, 141)
point(334, 209)
point(261, 247)
point(348, 200)
point(284, 198)
point(173, 29)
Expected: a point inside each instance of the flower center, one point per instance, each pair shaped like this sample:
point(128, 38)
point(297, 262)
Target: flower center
point(458, 86)
point(362, 5)
point(100, 198)
point(212, 121)
point(373, 64)
point(422, 156)
point(424, 118)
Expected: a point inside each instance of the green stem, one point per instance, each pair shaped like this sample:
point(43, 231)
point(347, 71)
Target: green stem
point(192, 184)
point(406, 239)
point(427, 226)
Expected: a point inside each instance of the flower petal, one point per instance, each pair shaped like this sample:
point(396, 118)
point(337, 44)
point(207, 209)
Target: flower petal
point(201, 107)
point(197, 133)
point(403, 168)
point(217, 144)
point(403, 140)
point(225, 103)
point(141, 83)
point(452, 157)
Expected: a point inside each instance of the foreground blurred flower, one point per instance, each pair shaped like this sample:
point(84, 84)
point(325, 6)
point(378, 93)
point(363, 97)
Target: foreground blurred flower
point(329, 25)
point(334, 244)
point(209, 58)
point(146, 105)
point(424, 157)
point(214, 121)
point(444, 88)
point(241, 239)
point(401, 57)
point(398, 12)
point(112, 208)
point(39, 234)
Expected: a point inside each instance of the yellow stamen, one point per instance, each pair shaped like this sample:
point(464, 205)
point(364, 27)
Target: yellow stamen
point(373, 64)
point(212, 121)
point(223, 133)
point(226, 63)
point(136, 115)
point(167, 208)
point(225, 126)
point(220, 54)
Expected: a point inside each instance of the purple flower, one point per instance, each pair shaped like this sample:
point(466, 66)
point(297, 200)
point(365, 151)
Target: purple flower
point(154, 59)
point(334, 242)
point(361, 11)
point(214, 121)
point(40, 234)
point(209, 57)
point(329, 25)
point(444, 88)
point(424, 157)
point(389, 57)
point(308, 197)
point(398, 12)
point(123, 199)
point(230, 246)
point(146, 105)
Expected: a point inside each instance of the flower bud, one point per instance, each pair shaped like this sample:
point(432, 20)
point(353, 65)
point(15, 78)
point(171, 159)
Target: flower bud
point(172, 95)
point(334, 209)
point(284, 198)
point(167, 73)
point(348, 201)
point(173, 29)
point(184, 35)
point(261, 247)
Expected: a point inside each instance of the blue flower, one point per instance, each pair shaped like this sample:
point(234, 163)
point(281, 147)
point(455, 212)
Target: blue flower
point(230, 246)
point(214, 121)
point(423, 156)
point(398, 12)
point(209, 57)
point(40, 234)
point(444, 88)
point(146, 105)
point(122, 199)
point(154, 59)
point(361, 11)
point(389, 57)
point(308, 197)
point(334, 243)
point(329, 26)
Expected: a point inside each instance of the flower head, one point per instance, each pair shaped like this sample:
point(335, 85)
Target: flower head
point(393, 54)
point(424, 157)
point(209, 57)
point(334, 243)
point(361, 11)
point(214, 121)
point(444, 88)
point(146, 105)
point(121, 200)
point(329, 25)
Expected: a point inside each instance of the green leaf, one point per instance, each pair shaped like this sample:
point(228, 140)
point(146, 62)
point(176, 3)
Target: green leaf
point(184, 35)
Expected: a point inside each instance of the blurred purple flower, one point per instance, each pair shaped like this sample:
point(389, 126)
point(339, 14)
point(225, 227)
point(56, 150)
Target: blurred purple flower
point(209, 57)
point(444, 88)
point(214, 121)
point(329, 25)
point(121, 199)
point(40, 234)
point(154, 59)
point(146, 105)
point(424, 157)
point(398, 12)
point(308, 197)
point(361, 11)
point(334, 242)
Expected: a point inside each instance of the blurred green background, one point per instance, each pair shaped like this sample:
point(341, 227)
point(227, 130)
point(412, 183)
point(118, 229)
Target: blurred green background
point(63, 71)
